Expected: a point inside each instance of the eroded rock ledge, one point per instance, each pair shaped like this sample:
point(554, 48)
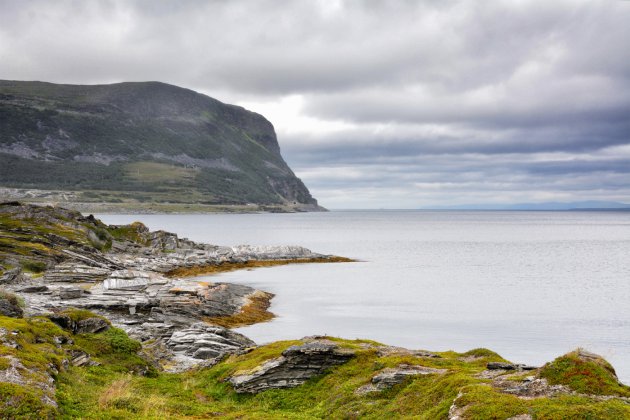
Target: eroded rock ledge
point(137, 278)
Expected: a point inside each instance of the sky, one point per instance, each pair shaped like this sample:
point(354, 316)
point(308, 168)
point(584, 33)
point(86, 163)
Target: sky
point(392, 104)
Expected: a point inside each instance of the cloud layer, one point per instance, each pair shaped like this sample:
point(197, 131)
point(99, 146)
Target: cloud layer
point(377, 104)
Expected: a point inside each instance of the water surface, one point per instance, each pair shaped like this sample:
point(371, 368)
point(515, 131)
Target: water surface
point(529, 285)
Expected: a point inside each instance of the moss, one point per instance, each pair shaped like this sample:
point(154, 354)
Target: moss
point(132, 232)
point(587, 376)
point(77, 315)
point(17, 401)
point(33, 266)
point(113, 390)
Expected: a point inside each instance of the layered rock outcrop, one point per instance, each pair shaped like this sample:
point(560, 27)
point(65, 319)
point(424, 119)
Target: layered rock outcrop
point(296, 365)
point(136, 278)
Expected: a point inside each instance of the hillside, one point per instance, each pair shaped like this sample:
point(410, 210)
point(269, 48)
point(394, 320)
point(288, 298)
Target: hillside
point(139, 143)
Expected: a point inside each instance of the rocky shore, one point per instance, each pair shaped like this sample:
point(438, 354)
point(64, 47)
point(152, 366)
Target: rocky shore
point(101, 321)
point(138, 279)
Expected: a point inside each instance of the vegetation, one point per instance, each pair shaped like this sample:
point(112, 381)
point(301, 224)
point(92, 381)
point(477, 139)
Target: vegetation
point(134, 142)
point(584, 375)
point(124, 385)
point(35, 238)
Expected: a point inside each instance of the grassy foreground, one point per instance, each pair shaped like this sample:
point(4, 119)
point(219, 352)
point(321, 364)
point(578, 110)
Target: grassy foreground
point(125, 386)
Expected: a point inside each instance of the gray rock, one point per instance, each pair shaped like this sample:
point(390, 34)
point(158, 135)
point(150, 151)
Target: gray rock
point(72, 272)
point(88, 325)
point(91, 325)
point(33, 289)
point(501, 365)
point(70, 293)
point(10, 309)
point(12, 276)
point(296, 365)
point(80, 358)
point(508, 366)
point(389, 377)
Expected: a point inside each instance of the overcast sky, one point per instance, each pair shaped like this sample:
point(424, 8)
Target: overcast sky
point(376, 104)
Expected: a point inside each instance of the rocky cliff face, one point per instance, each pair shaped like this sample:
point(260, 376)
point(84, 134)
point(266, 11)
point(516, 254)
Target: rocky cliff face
point(150, 141)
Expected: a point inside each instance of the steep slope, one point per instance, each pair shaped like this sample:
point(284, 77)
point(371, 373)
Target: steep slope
point(146, 142)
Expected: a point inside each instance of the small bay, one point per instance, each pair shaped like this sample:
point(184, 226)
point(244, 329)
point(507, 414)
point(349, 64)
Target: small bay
point(528, 285)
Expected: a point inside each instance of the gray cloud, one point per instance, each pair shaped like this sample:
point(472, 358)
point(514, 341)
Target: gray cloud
point(440, 102)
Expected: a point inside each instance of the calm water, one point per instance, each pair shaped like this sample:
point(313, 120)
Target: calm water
point(529, 285)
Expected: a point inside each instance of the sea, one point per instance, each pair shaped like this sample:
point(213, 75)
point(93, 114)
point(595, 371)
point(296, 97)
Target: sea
point(530, 286)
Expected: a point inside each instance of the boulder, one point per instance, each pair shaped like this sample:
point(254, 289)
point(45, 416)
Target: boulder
point(70, 293)
point(91, 325)
point(12, 276)
point(389, 377)
point(296, 365)
point(10, 308)
point(87, 325)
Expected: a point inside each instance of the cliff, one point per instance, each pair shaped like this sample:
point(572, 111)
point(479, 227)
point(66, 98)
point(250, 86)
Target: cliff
point(130, 143)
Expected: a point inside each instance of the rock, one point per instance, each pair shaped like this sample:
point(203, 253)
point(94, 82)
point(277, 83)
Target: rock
point(87, 325)
point(200, 342)
point(535, 388)
point(33, 289)
point(80, 358)
point(296, 365)
point(12, 276)
point(9, 306)
point(17, 373)
point(70, 293)
point(384, 351)
point(91, 325)
point(72, 272)
point(164, 241)
point(501, 365)
point(389, 377)
point(508, 366)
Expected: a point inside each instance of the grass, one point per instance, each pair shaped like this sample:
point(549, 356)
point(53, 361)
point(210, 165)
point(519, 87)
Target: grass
point(584, 376)
point(123, 386)
point(12, 298)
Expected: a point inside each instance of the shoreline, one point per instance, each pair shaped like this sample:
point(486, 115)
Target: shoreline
point(91, 289)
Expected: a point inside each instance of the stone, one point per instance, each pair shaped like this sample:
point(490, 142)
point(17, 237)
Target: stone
point(296, 365)
point(80, 358)
point(10, 309)
point(501, 365)
point(88, 325)
point(12, 276)
point(70, 293)
point(72, 272)
point(389, 377)
point(91, 325)
point(508, 366)
point(33, 289)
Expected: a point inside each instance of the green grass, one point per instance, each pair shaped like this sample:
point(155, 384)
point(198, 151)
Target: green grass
point(125, 386)
point(584, 376)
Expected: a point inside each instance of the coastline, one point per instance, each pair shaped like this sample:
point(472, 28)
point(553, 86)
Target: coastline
point(100, 287)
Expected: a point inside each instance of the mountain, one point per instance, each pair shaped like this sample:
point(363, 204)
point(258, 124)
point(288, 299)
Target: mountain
point(146, 142)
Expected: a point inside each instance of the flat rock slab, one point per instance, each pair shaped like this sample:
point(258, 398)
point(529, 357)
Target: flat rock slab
point(389, 377)
point(296, 365)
